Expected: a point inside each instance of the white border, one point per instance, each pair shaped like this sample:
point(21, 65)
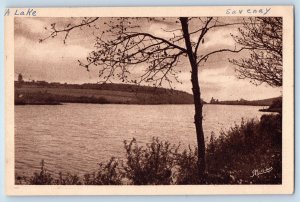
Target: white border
point(287, 186)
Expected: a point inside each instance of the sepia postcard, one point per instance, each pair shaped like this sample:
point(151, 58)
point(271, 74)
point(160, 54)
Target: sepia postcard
point(149, 100)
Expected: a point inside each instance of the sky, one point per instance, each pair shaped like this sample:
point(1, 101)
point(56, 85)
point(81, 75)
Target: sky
point(54, 61)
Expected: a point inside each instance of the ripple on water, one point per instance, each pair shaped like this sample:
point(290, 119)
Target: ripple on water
point(74, 138)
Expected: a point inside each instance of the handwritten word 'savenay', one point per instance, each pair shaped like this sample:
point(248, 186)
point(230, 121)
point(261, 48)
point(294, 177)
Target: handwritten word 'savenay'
point(262, 11)
point(22, 12)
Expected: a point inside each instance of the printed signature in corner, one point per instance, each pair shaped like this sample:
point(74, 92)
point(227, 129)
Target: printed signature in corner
point(257, 172)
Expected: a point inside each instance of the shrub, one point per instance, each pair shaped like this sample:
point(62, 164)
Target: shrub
point(151, 164)
point(271, 129)
point(187, 167)
point(107, 174)
point(254, 145)
point(69, 179)
point(43, 177)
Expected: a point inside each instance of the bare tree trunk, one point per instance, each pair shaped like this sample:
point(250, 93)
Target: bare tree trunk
point(197, 98)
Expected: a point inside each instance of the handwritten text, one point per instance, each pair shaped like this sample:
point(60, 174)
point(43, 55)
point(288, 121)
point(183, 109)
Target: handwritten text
point(262, 11)
point(22, 12)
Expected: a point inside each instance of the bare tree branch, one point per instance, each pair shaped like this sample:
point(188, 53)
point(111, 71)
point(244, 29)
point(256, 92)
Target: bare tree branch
point(203, 32)
point(68, 28)
point(264, 63)
point(205, 57)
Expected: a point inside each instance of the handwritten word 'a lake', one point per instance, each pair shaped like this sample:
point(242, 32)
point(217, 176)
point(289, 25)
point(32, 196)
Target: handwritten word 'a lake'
point(74, 138)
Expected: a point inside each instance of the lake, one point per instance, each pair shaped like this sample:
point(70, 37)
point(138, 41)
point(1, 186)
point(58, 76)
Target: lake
point(76, 137)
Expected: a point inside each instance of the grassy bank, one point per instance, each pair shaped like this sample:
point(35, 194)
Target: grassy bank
point(37, 93)
point(45, 98)
point(249, 153)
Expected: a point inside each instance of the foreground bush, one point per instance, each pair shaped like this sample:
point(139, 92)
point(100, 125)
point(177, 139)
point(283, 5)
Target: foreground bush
point(107, 174)
point(247, 149)
point(249, 153)
point(151, 164)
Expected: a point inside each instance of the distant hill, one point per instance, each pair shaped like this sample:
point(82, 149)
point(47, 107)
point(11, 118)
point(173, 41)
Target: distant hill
point(264, 102)
point(41, 92)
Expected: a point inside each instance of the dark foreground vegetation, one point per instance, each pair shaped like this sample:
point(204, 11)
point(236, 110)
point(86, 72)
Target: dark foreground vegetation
point(276, 106)
point(249, 153)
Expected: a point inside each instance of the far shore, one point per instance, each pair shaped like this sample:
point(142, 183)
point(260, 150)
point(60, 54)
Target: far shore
point(63, 103)
point(44, 93)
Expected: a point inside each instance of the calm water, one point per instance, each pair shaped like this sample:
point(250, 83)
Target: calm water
point(75, 137)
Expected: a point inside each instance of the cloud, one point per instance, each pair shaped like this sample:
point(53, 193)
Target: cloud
point(51, 60)
point(54, 61)
point(163, 30)
point(220, 38)
point(224, 85)
point(29, 28)
point(27, 49)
